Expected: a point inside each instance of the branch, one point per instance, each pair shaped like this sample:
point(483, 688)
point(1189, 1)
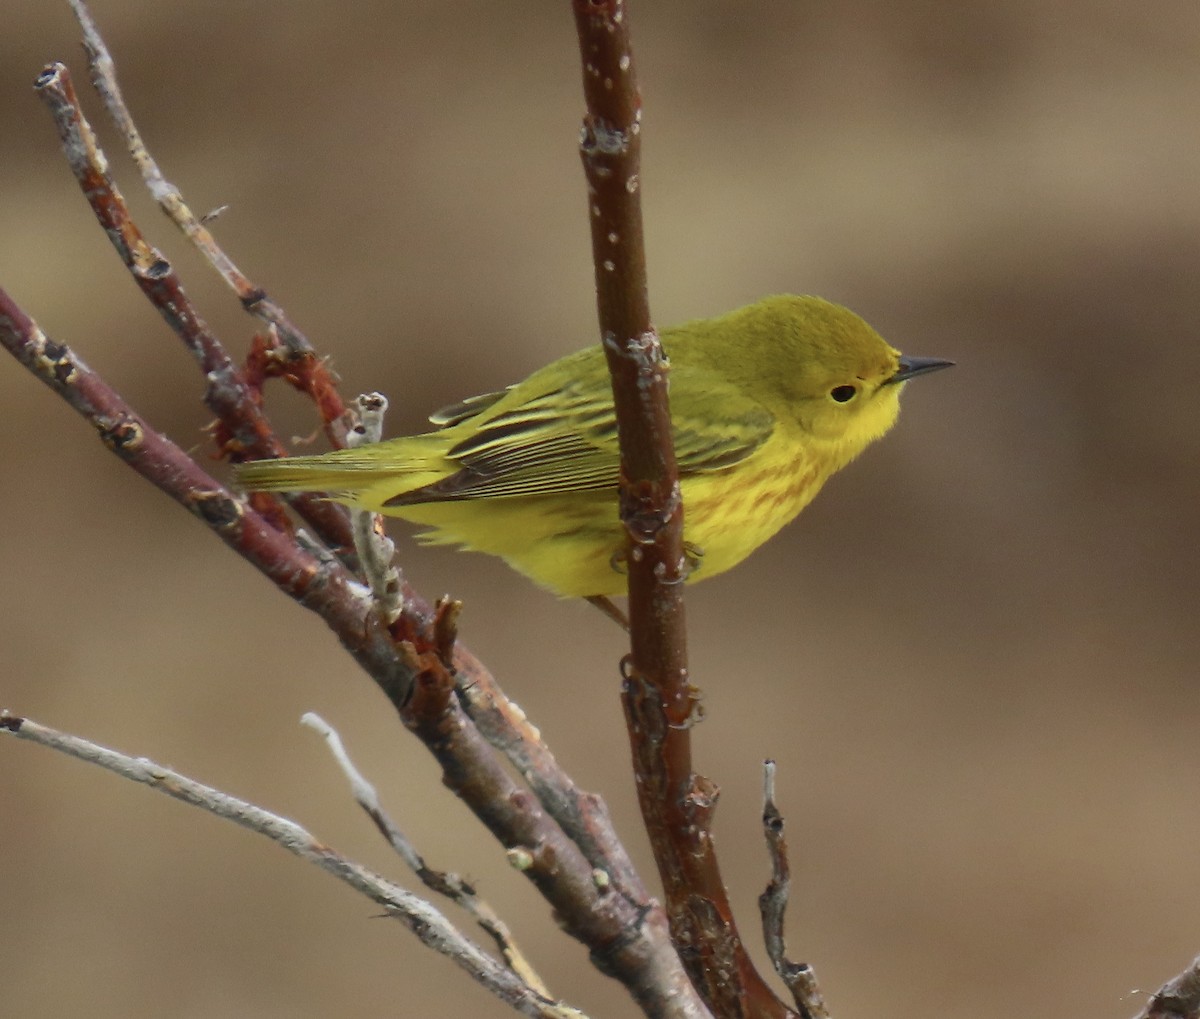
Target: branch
point(430, 926)
point(444, 883)
point(677, 804)
point(321, 584)
point(254, 299)
point(620, 931)
point(597, 894)
point(237, 406)
point(1178, 998)
point(798, 976)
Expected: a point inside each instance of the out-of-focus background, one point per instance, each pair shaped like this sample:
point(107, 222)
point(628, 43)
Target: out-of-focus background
point(974, 657)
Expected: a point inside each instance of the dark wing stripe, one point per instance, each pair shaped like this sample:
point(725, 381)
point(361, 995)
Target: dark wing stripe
point(456, 413)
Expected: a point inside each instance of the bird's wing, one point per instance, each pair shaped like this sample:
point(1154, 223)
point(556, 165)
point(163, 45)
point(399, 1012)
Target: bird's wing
point(716, 425)
point(565, 439)
point(456, 413)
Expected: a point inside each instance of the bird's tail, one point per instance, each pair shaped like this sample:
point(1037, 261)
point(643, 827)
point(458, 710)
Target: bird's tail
point(348, 473)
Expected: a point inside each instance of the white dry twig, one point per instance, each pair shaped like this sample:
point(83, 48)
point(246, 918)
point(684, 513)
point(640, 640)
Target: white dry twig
point(444, 883)
point(772, 904)
point(429, 925)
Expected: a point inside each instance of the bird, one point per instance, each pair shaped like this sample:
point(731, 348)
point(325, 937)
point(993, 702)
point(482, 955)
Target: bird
point(767, 403)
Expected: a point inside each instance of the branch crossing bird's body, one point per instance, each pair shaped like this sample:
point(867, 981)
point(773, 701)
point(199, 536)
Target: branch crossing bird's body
point(767, 402)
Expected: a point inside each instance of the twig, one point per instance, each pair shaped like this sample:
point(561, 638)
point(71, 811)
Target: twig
point(444, 883)
point(246, 430)
point(254, 299)
point(798, 976)
point(322, 585)
point(659, 701)
point(376, 551)
point(419, 916)
point(1178, 998)
point(619, 936)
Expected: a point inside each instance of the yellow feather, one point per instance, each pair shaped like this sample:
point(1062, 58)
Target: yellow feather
point(767, 402)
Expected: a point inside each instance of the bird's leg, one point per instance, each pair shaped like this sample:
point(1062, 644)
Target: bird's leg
point(606, 605)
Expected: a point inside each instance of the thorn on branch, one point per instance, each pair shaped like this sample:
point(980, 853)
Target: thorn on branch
point(214, 214)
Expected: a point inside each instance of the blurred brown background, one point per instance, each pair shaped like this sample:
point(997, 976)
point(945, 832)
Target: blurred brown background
point(974, 657)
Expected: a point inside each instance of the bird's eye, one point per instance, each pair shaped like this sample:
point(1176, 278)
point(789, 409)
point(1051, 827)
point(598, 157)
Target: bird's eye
point(843, 394)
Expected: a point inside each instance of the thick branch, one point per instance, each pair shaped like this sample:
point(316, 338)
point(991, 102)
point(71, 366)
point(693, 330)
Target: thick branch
point(659, 701)
point(597, 911)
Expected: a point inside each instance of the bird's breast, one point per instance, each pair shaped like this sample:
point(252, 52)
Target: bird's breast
point(730, 513)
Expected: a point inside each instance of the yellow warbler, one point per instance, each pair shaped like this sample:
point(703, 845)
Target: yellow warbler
point(767, 402)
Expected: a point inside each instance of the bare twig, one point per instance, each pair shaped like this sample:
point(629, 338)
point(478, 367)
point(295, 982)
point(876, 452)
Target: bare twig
point(419, 916)
point(444, 883)
point(376, 551)
point(244, 430)
point(227, 395)
point(322, 585)
point(620, 936)
point(677, 804)
point(582, 814)
point(254, 299)
point(798, 976)
point(1178, 998)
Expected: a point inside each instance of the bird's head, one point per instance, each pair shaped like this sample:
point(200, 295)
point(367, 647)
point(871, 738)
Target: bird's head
point(833, 374)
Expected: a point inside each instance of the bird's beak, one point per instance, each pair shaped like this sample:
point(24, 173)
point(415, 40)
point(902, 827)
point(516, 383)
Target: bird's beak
point(913, 366)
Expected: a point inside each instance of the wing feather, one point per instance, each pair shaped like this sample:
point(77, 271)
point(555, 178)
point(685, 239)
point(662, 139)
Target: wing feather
point(565, 439)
